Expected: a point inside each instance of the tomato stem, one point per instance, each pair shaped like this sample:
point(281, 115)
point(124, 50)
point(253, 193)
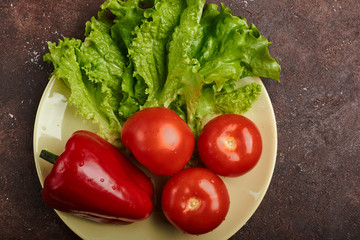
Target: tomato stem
point(192, 204)
point(230, 143)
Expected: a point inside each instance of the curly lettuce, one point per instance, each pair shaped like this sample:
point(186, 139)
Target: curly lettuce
point(185, 55)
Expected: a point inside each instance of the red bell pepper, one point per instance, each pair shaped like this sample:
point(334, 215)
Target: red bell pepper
point(94, 180)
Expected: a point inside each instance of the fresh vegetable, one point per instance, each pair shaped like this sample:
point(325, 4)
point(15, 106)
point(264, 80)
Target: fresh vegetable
point(184, 55)
point(152, 73)
point(93, 180)
point(159, 139)
point(195, 200)
point(230, 145)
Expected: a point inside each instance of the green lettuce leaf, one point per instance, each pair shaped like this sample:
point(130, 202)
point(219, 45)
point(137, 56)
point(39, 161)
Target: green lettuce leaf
point(92, 70)
point(182, 78)
point(148, 49)
point(213, 103)
point(183, 55)
point(230, 49)
point(128, 16)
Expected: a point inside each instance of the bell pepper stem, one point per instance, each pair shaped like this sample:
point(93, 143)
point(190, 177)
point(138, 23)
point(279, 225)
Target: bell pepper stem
point(48, 156)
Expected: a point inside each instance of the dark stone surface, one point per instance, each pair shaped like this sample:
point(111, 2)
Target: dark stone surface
point(315, 191)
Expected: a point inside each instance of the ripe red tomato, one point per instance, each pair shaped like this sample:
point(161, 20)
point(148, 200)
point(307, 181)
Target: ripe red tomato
point(159, 139)
point(195, 200)
point(230, 145)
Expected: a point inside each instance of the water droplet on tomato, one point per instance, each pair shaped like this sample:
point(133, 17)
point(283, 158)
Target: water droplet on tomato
point(81, 164)
point(102, 180)
point(113, 187)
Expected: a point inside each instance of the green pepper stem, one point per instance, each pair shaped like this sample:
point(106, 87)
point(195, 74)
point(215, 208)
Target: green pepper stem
point(48, 156)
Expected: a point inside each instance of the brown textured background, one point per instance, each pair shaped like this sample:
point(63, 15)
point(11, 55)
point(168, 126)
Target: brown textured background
point(315, 190)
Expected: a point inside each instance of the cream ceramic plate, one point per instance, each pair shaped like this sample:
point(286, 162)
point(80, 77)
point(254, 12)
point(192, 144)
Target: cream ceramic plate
point(56, 121)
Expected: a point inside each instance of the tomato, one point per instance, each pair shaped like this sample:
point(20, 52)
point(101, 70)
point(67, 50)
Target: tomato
point(230, 145)
point(159, 139)
point(195, 200)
